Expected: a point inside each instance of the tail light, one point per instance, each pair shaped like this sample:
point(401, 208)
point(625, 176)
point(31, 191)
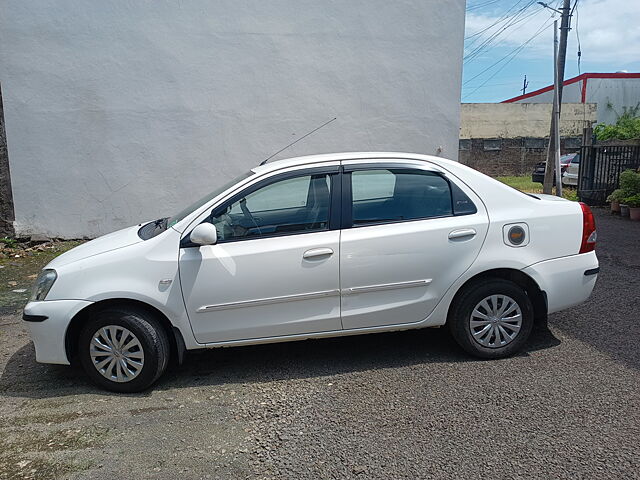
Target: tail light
point(589, 235)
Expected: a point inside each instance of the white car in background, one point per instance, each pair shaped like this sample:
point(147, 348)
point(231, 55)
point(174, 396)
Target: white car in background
point(570, 174)
point(312, 247)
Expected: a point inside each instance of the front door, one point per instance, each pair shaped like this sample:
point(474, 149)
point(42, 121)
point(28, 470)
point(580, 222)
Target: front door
point(275, 269)
point(409, 234)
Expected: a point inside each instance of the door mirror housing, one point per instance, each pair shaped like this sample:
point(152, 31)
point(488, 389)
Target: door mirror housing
point(204, 234)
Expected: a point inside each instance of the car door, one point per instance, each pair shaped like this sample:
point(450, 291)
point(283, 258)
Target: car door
point(408, 234)
point(274, 270)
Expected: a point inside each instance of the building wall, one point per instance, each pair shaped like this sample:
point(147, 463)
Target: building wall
point(6, 197)
point(510, 138)
point(118, 112)
point(611, 95)
point(512, 120)
point(510, 156)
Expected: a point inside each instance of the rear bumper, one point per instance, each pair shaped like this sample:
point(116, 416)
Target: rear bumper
point(48, 322)
point(567, 281)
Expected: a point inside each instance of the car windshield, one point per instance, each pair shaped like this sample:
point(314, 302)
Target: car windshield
point(194, 206)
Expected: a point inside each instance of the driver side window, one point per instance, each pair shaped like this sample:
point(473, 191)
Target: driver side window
point(293, 205)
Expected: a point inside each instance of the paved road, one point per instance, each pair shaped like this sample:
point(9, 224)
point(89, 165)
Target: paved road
point(401, 405)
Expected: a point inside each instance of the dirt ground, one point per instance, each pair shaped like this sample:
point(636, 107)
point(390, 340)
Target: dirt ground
point(400, 405)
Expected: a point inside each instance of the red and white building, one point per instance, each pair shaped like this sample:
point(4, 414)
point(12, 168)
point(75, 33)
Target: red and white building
point(610, 91)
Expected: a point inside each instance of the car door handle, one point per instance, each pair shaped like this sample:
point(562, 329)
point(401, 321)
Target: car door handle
point(463, 233)
point(317, 252)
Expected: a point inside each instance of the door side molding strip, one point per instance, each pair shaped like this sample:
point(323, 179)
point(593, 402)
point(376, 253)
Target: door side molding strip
point(268, 301)
point(385, 286)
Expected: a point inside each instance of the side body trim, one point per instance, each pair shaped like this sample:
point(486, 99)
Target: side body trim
point(268, 301)
point(306, 296)
point(385, 286)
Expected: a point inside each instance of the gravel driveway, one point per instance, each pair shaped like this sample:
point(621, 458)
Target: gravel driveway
point(401, 405)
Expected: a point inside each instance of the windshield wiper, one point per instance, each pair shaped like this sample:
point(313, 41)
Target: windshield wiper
point(161, 222)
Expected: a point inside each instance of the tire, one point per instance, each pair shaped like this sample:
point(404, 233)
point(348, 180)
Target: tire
point(502, 338)
point(146, 356)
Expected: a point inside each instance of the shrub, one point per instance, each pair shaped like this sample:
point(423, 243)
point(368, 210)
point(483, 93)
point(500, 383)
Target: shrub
point(633, 201)
point(616, 196)
point(630, 182)
point(626, 127)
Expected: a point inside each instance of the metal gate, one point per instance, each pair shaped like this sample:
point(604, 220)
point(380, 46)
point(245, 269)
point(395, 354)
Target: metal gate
point(600, 168)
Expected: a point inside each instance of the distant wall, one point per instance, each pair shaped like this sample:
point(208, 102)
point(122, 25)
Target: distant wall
point(510, 156)
point(123, 111)
point(513, 120)
point(611, 95)
point(510, 138)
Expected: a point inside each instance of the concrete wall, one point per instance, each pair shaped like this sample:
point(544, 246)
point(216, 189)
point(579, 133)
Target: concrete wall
point(611, 95)
point(514, 156)
point(513, 120)
point(6, 197)
point(117, 112)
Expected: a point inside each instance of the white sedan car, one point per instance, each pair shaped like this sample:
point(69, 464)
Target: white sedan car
point(312, 247)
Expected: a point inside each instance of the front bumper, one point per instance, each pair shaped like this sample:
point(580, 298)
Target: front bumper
point(48, 322)
point(567, 281)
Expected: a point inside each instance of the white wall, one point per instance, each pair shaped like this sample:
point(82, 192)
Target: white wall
point(118, 112)
point(610, 94)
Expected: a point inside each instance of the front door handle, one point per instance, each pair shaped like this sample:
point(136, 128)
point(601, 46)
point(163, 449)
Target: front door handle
point(317, 252)
point(463, 233)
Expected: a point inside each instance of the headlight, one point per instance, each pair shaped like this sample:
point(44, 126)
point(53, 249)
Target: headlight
point(43, 285)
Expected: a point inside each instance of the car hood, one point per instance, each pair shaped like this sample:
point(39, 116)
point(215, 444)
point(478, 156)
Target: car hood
point(106, 243)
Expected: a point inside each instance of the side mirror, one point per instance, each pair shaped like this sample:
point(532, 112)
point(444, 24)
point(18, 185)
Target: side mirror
point(204, 234)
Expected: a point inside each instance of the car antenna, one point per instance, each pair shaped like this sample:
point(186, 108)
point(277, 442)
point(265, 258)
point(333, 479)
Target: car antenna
point(293, 143)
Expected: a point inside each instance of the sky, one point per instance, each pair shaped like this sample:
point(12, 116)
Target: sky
point(508, 39)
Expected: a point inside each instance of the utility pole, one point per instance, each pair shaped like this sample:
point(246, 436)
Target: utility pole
point(525, 84)
point(558, 82)
point(556, 113)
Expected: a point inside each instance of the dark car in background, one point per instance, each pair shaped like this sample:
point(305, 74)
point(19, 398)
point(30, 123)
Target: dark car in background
point(538, 170)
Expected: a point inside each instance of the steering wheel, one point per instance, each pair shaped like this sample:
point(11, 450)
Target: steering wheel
point(247, 214)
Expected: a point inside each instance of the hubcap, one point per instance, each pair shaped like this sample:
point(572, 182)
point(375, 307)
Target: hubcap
point(495, 321)
point(116, 353)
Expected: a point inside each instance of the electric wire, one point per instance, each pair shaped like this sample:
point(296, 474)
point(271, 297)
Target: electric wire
point(509, 57)
point(508, 22)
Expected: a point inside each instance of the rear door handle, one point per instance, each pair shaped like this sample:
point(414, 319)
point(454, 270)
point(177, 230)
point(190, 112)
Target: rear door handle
point(463, 233)
point(317, 252)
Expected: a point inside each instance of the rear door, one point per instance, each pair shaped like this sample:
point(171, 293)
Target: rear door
point(408, 234)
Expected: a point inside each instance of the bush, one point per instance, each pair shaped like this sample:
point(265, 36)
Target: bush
point(627, 126)
point(616, 196)
point(630, 182)
point(633, 201)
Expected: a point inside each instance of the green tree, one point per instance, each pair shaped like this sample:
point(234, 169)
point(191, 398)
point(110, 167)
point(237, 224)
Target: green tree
point(627, 126)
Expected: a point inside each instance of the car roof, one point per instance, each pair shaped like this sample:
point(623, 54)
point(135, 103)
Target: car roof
point(335, 157)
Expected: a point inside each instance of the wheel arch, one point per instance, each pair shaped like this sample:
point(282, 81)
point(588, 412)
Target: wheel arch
point(75, 326)
point(537, 296)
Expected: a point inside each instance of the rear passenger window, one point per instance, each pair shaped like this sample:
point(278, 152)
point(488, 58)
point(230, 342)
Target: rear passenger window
point(383, 196)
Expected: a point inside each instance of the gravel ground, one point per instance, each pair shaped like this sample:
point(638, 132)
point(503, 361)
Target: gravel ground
point(399, 405)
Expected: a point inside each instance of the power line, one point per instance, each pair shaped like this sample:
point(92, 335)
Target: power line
point(511, 55)
point(508, 54)
point(499, 20)
point(481, 5)
point(510, 22)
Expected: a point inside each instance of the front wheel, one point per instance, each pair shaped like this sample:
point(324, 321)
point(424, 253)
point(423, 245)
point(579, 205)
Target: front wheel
point(492, 319)
point(123, 349)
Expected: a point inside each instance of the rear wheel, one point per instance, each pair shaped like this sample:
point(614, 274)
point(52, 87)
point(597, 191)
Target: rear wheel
point(123, 349)
point(491, 319)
